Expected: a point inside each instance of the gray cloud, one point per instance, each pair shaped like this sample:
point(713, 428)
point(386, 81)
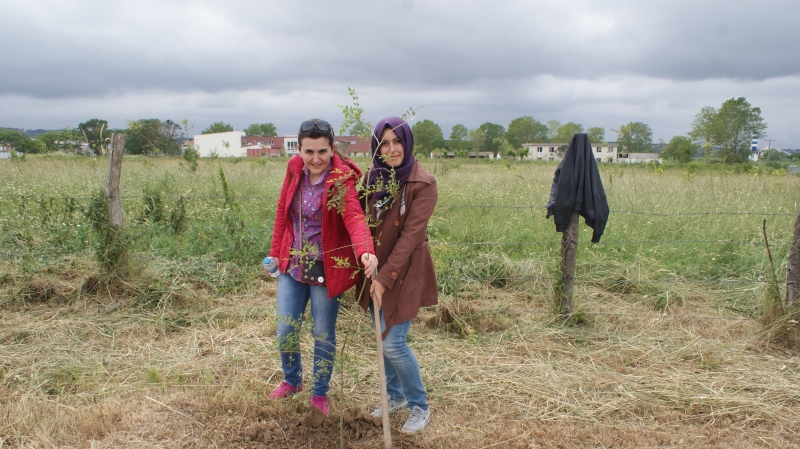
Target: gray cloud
point(468, 62)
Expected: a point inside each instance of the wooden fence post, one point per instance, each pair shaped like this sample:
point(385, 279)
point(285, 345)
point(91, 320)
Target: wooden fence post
point(569, 249)
point(793, 272)
point(111, 186)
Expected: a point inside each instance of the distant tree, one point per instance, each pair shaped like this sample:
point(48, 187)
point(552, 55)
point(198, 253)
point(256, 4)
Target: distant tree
point(261, 130)
point(525, 129)
point(217, 127)
point(596, 134)
point(427, 135)
point(774, 155)
point(506, 149)
point(476, 137)
point(67, 139)
point(552, 129)
point(728, 131)
point(95, 132)
point(170, 129)
point(566, 131)
point(51, 140)
point(680, 149)
point(494, 135)
point(153, 137)
point(702, 129)
point(20, 142)
point(635, 137)
point(459, 138)
point(361, 130)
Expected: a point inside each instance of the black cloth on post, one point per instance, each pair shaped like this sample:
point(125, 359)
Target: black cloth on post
point(577, 187)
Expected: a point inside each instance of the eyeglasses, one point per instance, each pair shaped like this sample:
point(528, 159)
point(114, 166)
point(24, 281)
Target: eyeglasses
point(322, 126)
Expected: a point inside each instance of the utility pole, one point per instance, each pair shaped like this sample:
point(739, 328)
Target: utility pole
point(769, 143)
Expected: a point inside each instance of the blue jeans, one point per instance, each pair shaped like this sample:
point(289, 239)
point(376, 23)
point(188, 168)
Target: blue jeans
point(293, 297)
point(403, 378)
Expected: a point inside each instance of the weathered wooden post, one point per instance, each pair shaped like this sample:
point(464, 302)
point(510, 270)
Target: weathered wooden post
point(569, 250)
point(113, 255)
point(577, 191)
point(111, 186)
point(793, 272)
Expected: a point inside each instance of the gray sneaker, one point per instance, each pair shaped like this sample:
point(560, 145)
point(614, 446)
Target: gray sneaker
point(393, 407)
point(416, 421)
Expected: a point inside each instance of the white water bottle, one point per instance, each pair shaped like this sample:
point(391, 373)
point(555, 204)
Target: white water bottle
point(271, 266)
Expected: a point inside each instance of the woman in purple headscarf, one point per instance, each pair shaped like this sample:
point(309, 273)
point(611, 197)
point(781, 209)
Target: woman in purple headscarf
point(403, 202)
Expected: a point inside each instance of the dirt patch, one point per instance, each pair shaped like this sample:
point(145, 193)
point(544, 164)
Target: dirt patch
point(92, 285)
point(44, 290)
point(315, 430)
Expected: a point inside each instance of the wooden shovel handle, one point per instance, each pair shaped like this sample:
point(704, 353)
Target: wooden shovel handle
point(387, 431)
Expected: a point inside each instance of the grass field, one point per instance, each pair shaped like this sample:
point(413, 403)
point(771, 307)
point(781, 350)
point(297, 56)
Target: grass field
point(668, 351)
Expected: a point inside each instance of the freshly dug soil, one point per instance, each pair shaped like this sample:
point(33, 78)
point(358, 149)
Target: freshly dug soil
point(315, 430)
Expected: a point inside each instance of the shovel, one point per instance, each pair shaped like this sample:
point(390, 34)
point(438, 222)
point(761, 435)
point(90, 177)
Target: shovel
point(387, 431)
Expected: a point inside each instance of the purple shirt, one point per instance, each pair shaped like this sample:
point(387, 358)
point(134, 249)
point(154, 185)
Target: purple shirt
point(311, 196)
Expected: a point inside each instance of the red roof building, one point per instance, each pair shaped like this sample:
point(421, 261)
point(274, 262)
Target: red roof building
point(263, 146)
point(274, 146)
point(352, 145)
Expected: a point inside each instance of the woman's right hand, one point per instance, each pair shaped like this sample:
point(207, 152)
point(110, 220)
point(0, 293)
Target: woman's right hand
point(376, 290)
point(370, 263)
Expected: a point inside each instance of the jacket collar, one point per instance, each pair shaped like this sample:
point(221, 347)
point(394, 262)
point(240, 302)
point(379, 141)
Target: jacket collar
point(419, 174)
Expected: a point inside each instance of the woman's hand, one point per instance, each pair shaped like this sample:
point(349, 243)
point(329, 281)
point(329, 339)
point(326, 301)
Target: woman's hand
point(376, 291)
point(370, 263)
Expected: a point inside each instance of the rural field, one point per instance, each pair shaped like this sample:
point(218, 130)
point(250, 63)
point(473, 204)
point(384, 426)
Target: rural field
point(667, 346)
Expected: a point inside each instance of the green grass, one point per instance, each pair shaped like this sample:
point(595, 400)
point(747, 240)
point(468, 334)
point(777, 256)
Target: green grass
point(489, 224)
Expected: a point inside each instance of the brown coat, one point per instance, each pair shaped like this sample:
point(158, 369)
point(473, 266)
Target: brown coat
point(405, 265)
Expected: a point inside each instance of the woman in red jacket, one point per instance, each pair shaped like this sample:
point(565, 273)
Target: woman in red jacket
point(320, 237)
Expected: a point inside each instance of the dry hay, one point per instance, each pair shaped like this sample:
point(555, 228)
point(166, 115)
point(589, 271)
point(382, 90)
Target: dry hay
point(93, 372)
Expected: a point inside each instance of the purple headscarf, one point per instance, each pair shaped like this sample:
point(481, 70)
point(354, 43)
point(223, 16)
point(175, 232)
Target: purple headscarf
point(381, 170)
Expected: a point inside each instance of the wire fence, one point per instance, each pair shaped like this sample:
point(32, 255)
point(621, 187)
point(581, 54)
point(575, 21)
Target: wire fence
point(47, 225)
point(438, 206)
point(268, 231)
point(509, 280)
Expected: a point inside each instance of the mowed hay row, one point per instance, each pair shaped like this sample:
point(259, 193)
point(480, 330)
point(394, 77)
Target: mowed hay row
point(668, 350)
point(625, 379)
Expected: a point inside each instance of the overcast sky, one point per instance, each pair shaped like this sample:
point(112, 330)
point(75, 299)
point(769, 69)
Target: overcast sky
point(597, 63)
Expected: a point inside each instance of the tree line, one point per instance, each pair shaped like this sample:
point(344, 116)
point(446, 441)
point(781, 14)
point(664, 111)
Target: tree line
point(498, 140)
point(721, 134)
point(150, 137)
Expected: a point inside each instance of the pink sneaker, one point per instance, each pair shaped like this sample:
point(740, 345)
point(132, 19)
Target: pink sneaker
point(320, 402)
point(285, 390)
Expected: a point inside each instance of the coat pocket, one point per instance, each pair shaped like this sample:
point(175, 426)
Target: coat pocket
point(419, 288)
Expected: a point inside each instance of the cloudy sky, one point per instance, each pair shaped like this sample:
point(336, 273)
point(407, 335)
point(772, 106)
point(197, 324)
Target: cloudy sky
point(599, 63)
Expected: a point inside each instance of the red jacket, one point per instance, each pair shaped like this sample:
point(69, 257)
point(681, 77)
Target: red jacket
point(345, 235)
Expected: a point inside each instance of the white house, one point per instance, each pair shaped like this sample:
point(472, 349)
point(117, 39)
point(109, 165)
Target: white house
point(603, 152)
point(228, 144)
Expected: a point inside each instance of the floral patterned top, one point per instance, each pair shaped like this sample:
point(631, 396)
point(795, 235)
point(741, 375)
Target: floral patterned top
point(311, 196)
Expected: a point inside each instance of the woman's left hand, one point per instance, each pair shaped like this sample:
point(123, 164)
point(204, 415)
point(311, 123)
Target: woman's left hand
point(370, 263)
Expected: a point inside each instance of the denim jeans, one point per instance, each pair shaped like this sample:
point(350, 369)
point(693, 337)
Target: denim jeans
point(403, 378)
point(293, 297)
